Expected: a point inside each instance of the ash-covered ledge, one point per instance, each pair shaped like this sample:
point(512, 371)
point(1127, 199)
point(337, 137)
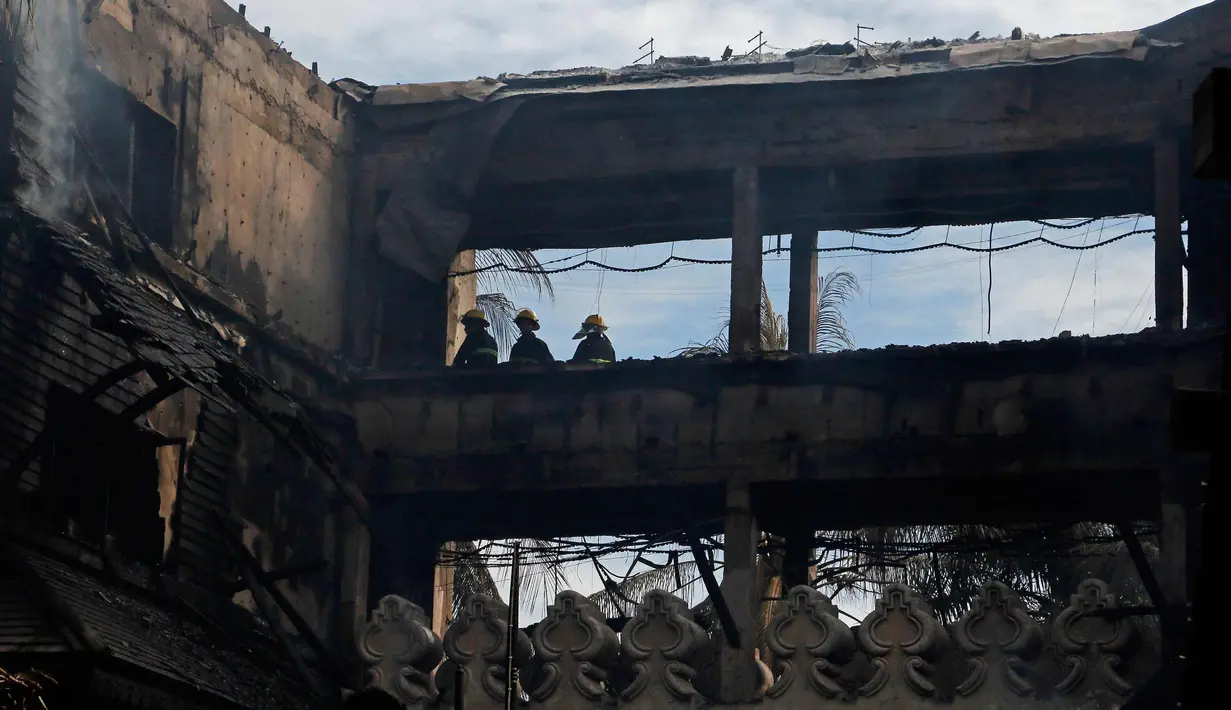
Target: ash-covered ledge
point(1089, 413)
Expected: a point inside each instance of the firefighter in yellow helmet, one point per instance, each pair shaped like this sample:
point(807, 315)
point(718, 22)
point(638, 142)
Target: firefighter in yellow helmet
point(595, 346)
point(529, 350)
point(479, 348)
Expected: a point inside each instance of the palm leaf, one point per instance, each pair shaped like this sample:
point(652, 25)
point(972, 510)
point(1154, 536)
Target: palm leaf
point(470, 575)
point(500, 313)
point(948, 564)
point(498, 279)
point(623, 598)
point(834, 291)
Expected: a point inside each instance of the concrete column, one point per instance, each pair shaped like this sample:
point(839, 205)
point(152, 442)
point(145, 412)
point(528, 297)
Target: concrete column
point(1168, 245)
point(745, 331)
point(1178, 538)
point(1208, 208)
point(738, 671)
point(442, 594)
point(801, 316)
point(461, 292)
point(795, 567)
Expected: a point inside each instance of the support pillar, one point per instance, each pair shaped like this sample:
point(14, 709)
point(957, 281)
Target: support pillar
point(1208, 209)
point(801, 316)
point(1178, 541)
point(1168, 245)
point(404, 560)
point(745, 330)
point(796, 569)
point(738, 669)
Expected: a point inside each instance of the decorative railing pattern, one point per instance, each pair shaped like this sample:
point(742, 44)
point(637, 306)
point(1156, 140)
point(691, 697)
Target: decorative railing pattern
point(900, 656)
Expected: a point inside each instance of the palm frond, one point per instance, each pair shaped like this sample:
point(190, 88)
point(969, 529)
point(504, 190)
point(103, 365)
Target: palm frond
point(622, 600)
point(834, 291)
point(773, 332)
point(773, 325)
point(499, 279)
point(500, 312)
point(948, 564)
point(470, 575)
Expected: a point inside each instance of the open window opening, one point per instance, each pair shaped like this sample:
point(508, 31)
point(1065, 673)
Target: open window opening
point(135, 149)
point(100, 478)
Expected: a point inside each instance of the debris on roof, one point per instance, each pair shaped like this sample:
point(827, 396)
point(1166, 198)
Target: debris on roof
point(158, 331)
point(817, 62)
point(136, 627)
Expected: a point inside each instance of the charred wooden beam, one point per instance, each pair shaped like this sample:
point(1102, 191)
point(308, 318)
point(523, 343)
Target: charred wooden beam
point(706, 569)
point(252, 571)
point(150, 399)
point(284, 573)
point(1148, 580)
point(269, 610)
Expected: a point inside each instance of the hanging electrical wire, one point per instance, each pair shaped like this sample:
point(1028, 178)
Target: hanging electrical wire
point(820, 250)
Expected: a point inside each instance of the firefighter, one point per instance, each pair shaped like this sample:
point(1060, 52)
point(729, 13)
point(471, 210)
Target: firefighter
point(595, 346)
point(529, 350)
point(479, 348)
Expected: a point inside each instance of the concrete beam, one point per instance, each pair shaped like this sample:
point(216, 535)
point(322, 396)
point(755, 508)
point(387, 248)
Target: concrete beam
point(822, 123)
point(1092, 412)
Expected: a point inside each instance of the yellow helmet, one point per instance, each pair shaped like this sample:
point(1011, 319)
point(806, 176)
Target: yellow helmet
point(527, 314)
point(475, 314)
point(592, 324)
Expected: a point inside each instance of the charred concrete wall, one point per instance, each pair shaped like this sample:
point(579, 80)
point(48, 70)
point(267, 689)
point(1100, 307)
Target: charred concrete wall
point(191, 459)
point(263, 149)
point(241, 156)
point(950, 412)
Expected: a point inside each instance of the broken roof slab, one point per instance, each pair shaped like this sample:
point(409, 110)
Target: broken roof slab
point(993, 131)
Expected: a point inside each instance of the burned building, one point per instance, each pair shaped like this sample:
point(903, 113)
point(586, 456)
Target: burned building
point(177, 526)
point(227, 288)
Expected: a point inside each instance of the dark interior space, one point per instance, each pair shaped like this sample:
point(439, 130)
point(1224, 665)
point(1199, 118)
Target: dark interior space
point(101, 477)
point(135, 149)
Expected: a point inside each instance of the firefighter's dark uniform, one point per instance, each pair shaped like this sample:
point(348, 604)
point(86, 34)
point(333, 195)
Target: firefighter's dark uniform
point(596, 348)
point(479, 349)
point(530, 350)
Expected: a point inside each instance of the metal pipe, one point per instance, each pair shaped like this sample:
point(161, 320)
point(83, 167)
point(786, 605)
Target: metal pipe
point(510, 691)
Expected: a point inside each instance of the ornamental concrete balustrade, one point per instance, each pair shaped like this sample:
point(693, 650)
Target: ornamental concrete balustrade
point(901, 656)
point(1072, 428)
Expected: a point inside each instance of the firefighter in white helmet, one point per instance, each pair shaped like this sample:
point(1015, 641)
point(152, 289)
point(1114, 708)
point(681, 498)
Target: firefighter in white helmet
point(529, 350)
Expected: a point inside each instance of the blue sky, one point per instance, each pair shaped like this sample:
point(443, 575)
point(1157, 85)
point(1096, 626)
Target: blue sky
point(935, 296)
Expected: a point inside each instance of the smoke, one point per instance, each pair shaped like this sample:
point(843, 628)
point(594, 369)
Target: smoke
point(43, 130)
